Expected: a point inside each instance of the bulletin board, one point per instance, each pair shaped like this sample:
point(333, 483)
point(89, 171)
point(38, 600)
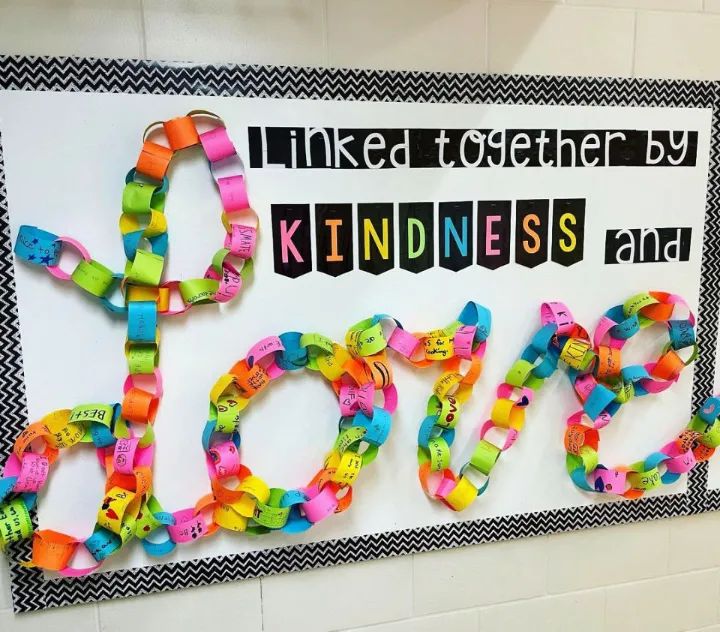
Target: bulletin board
point(377, 192)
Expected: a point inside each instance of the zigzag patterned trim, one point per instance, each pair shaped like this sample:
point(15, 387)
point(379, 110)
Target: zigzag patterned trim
point(32, 592)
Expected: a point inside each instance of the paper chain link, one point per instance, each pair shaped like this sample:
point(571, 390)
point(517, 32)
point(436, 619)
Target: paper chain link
point(122, 433)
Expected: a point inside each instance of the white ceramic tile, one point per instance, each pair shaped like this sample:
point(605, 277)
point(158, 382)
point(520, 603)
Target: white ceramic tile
point(479, 575)
point(559, 39)
point(690, 542)
point(284, 32)
point(5, 597)
point(96, 28)
point(340, 597)
point(583, 610)
point(712, 6)
point(662, 5)
point(205, 608)
point(678, 45)
point(407, 34)
point(599, 557)
point(670, 604)
point(461, 621)
point(70, 619)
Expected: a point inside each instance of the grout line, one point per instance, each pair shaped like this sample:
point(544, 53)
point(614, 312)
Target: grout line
point(143, 32)
point(604, 608)
point(262, 609)
point(412, 583)
point(98, 627)
point(669, 538)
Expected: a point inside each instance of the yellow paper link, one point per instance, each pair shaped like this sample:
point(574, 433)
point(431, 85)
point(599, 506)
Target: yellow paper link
point(332, 460)
point(61, 432)
point(222, 384)
point(507, 415)
point(331, 364)
point(146, 522)
point(157, 224)
point(348, 468)
point(141, 293)
point(163, 299)
point(446, 383)
point(116, 503)
point(462, 495)
point(439, 348)
point(68, 436)
point(576, 353)
point(255, 489)
point(227, 518)
point(463, 392)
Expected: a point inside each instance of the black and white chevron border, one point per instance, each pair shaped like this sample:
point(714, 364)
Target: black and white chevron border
point(32, 592)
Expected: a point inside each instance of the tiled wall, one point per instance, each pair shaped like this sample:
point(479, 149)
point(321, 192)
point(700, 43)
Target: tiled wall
point(659, 576)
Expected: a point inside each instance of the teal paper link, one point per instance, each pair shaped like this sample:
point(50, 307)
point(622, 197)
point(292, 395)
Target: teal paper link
point(626, 327)
point(655, 459)
point(682, 334)
point(296, 523)
point(131, 243)
point(37, 246)
point(159, 190)
point(294, 356)
point(102, 543)
point(710, 410)
point(209, 431)
point(600, 399)
point(6, 485)
point(476, 315)
point(428, 430)
point(377, 428)
point(142, 321)
point(102, 436)
point(579, 477)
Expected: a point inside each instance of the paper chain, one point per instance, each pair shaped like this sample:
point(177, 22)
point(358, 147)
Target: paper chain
point(358, 371)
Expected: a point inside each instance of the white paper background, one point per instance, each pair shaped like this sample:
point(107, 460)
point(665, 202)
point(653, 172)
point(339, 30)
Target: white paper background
point(66, 157)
